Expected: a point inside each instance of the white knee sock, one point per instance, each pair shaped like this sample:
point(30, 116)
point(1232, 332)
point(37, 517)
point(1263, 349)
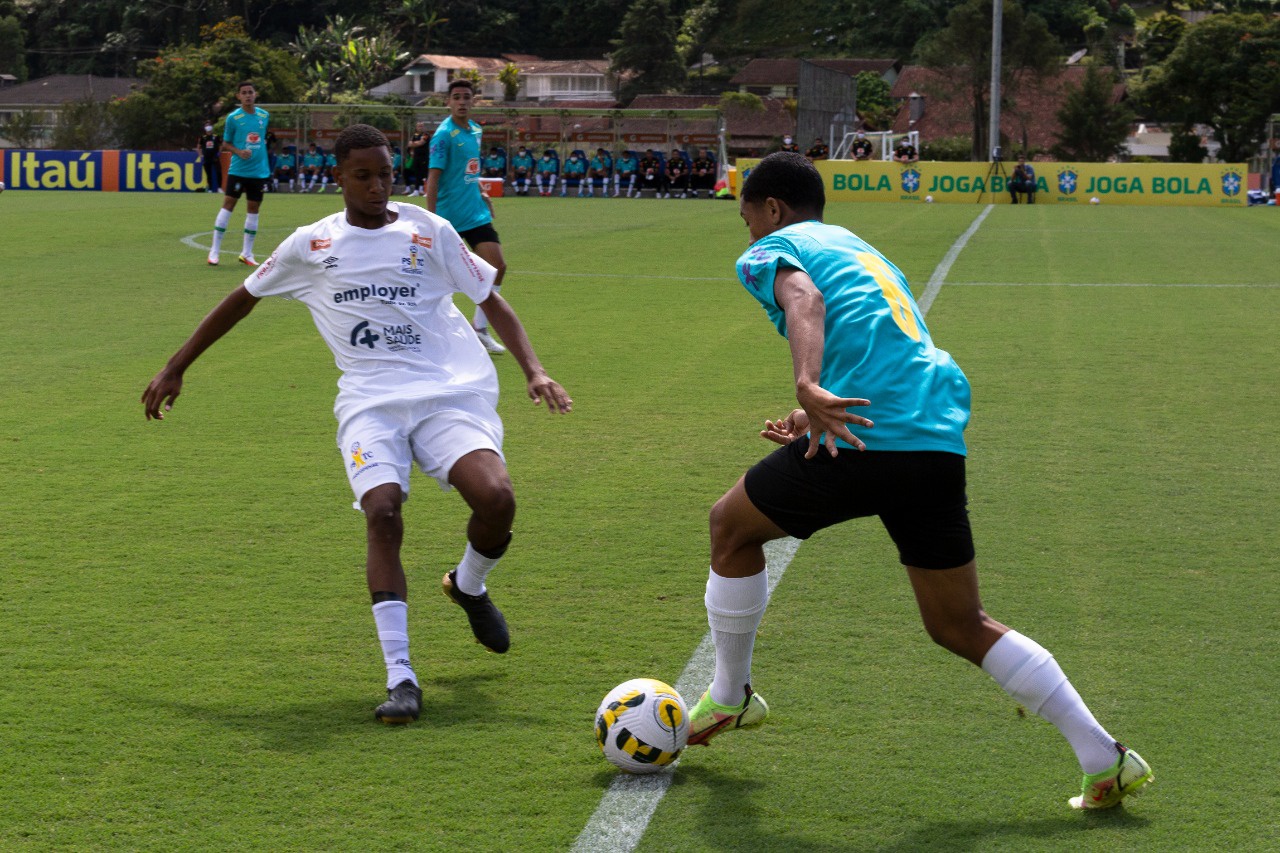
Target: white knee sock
point(220, 224)
point(392, 619)
point(473, 570)
point(250, 231)
point(734, 609)
point(1029, 674)
point(480, 321)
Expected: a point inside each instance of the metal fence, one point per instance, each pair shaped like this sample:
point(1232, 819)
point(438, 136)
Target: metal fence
point(826, 105)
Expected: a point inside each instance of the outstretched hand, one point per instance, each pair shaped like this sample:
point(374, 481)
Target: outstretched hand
point(824, 416)
point(786, 430)
point(543, 387)
point(162, 390)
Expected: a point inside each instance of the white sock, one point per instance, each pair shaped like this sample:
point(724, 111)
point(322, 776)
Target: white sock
point(220, 224)
point(473, 570)
point(734, 609)
point(392, 619)
point(1029, 674)
point(250, 231)
point(480, 321)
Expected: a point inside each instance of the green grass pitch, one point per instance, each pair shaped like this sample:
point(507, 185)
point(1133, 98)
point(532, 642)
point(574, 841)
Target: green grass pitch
point(188, 656)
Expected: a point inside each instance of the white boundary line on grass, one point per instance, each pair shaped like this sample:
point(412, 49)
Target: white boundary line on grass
point(622, 817)
point(190, 240)
point(940, 272)
point(926, 298)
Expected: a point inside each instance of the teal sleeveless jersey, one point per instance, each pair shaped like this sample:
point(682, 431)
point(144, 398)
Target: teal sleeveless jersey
point(456, 152)
point(248, 131)
point(877, 345)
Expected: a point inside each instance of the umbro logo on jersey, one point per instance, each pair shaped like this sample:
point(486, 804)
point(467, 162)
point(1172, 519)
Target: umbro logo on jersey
point(330, 263)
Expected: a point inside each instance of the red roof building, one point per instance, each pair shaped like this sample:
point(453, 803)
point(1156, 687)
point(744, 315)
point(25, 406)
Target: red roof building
point(938, 105)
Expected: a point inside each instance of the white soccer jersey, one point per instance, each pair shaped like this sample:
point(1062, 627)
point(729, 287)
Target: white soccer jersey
point(383, 301)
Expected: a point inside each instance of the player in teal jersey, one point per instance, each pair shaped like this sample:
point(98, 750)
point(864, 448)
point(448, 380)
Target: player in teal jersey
point(326, 177)
point(546, 172)
point(454, 192)
point(245, 136)
point(312, 167)
point(858, 340)
point(627, 166)
point(521, 170)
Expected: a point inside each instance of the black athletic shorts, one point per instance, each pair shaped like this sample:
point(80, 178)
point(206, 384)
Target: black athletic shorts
point(919, 496)
point(480, 234)
point(251, 187)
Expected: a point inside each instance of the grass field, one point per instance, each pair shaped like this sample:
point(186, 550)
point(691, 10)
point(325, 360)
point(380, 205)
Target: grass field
point(188, 657)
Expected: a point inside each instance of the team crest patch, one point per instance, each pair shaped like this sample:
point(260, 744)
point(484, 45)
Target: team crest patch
point(910, 181)
point(412, 265)
point(1231, 181)
point(1067, 181)
point(361, 459)
point(473, 166)
point(253, 138)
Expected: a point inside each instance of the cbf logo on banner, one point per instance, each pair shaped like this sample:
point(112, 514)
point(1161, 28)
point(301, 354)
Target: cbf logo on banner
point(1206, 185)
point(105, 171)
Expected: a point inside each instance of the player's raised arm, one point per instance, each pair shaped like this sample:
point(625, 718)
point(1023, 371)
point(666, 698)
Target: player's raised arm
point(802, 302)
point(541, 386)
point(167, 384)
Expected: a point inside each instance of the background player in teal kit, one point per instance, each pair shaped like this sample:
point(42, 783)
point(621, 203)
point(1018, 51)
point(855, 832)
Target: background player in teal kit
point(858, 340)
point(453, 191)
point(245, 136)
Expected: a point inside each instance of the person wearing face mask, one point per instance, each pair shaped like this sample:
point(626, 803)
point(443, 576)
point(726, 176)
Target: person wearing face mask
point(574, 175)
point(521, 170)
point(548, 169)
point(789, 144)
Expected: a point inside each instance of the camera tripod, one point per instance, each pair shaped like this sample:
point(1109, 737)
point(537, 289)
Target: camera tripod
point(996, 168)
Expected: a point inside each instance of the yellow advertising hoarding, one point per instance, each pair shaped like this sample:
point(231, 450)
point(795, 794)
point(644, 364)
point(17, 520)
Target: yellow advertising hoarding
point(1216, 185)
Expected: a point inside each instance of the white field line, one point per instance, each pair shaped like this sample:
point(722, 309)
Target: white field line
point(623, 815)
point(192, 240)
point(620, 820)
point(940, 272)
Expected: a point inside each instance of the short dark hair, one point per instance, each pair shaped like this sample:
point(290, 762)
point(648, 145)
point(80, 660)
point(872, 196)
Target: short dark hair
point(244, 83)
point(788, 177)
point(460, 82)
point(357, 137)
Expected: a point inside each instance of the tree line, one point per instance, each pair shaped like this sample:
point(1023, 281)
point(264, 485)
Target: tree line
point(1221, 71)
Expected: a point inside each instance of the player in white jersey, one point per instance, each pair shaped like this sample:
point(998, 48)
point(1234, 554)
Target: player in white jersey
point(416, 385)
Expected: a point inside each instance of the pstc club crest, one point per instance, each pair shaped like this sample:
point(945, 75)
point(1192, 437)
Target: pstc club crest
point(1231, 182)
point(910, 181)
point(1067, 181)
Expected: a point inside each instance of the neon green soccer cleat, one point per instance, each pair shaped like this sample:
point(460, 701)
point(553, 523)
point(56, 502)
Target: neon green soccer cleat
point(1106, 789)
point(708, 718)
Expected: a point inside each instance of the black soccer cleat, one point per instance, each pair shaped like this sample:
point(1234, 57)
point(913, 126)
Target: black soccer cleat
point(486, 620)
point(403, 705)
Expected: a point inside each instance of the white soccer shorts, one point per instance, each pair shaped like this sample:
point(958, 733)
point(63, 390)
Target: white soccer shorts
point(380, 444)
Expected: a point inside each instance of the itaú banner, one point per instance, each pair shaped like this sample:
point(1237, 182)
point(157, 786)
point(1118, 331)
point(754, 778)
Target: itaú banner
point(106, 171)
point(1215, 185)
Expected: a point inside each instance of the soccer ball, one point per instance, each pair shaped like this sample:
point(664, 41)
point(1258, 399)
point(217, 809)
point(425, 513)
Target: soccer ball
point(1, 186)
point(928, 199)
point(642, 725)
point(1095, 200)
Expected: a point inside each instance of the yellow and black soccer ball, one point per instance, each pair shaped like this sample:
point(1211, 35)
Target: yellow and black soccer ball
point(642, 725)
